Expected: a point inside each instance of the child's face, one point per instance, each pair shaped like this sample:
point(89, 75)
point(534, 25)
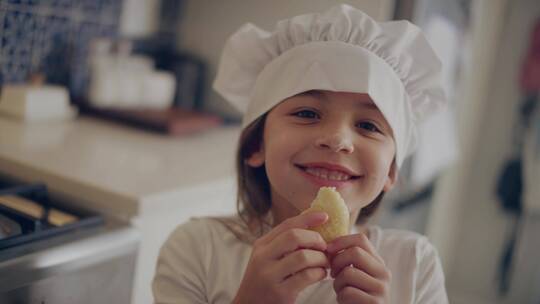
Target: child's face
point(324, 138)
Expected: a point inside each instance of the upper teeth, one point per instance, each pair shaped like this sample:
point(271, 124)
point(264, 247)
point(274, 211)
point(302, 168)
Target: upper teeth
point(328, 174)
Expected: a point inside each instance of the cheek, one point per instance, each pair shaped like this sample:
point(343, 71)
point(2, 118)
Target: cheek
point(379, 164)
point(278, 152)
point(282, 143)
point(276, 149)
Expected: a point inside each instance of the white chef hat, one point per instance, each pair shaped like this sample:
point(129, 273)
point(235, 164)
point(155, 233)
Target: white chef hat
point(343, 50)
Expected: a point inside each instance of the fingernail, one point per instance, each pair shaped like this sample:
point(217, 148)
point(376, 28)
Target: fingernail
point(320, 216)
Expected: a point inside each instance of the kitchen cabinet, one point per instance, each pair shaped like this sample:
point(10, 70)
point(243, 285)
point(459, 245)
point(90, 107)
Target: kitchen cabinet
point(154, 181)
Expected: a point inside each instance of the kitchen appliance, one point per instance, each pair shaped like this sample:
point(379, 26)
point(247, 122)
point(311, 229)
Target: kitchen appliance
point(90, 260)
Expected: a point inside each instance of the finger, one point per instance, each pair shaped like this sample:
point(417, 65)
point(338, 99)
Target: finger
point(354, 277)
point(359, 239)
point(300, 260)
point(294, 239)
point(302, 221)
point(351, 295)
point(304, 278)
point(360, 259)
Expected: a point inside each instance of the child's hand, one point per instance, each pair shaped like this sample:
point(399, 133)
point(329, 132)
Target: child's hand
point(285, 261)
point(360, 273)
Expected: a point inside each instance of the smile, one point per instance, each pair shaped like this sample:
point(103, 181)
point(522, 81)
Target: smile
point(326, 176)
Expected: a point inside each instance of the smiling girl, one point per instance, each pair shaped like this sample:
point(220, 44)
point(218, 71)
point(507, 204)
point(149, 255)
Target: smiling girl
point(329, 99)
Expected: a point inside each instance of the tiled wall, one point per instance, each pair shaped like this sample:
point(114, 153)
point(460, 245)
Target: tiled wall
point(52, 37)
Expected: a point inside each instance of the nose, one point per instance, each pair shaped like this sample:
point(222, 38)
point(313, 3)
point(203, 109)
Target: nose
point(337, 141)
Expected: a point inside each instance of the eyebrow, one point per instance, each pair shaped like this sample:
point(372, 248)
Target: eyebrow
point(320, 95)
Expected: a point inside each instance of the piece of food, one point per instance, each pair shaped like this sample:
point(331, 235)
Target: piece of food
point(330, 201)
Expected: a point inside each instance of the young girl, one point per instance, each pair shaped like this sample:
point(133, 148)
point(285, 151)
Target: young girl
point(329, 99)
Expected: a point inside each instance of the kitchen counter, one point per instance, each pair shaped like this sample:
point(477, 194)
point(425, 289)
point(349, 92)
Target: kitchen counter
point(98, 162)
point(154, 181)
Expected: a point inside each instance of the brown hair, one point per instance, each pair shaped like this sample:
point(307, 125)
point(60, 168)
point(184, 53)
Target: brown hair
point(253, 193)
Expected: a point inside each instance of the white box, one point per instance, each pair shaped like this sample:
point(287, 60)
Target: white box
point(34, 103)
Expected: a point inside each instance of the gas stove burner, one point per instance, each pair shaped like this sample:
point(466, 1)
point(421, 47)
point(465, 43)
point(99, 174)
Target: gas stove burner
point(8, 227)
point(27, 215)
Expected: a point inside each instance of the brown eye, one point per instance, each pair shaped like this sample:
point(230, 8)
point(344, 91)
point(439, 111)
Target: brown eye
point(366, 125)
point(308, 114)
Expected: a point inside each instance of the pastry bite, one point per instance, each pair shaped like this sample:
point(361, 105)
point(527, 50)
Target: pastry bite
point(330, 201)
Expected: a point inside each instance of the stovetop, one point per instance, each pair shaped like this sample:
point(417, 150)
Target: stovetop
point(28, 215)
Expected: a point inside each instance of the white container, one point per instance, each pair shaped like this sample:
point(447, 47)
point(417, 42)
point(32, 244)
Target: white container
point(103, 90)
point(33, 103)
point(118, 81)
point(158, 90)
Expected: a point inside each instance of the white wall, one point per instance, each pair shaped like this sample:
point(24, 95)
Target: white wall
point(207, 24)
point(479, 226)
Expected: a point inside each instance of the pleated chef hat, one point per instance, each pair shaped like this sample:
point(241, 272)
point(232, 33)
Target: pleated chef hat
point(343, 50)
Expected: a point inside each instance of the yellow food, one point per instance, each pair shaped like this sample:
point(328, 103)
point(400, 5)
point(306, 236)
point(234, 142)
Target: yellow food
point(330, 201)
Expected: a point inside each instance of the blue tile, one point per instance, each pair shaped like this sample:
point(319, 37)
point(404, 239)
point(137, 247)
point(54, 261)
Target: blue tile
point(52, 36)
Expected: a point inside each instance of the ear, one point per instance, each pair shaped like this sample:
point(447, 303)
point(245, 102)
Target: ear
point(392, 178)
point(257, 158)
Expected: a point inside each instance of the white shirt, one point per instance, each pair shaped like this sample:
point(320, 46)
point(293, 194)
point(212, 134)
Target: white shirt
point(203, 262)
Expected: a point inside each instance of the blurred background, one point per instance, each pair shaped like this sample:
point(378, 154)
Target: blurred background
point(110, 136)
